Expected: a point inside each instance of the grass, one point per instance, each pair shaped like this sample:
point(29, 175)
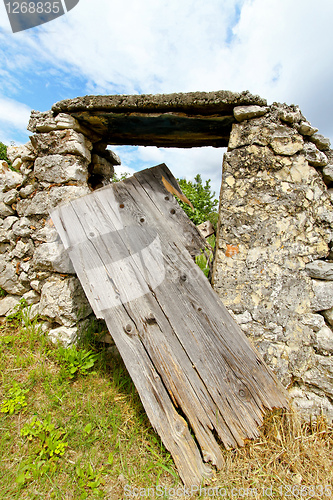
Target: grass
point(83, 433)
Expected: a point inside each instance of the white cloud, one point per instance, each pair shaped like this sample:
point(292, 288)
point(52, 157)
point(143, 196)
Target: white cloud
point(14, 117)
point(280, 49)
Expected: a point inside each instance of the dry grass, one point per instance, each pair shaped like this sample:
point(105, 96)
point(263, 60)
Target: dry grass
point(107, 430)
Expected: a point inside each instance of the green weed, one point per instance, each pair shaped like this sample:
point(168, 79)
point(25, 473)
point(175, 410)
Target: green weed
point(16, 400)
point(76, 361)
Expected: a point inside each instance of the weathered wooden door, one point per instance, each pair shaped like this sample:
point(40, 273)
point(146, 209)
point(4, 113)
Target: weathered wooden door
point(131, 246)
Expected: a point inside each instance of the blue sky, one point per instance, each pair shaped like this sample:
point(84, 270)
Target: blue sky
point(279, 49)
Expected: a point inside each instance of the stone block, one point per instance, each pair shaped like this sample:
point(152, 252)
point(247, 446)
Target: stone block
point(8, 178)
point(323, 295)
point(43, 201)
point(289, 116)
point(63, 335)
point(285, 142)
point(23, 227)
point(62, 142)
point(314, 321)
point(10, 197)
point(61, 168)
point(321, 374)
point(307, 129)
point(31, 297)
point(28, 190)
point(5, 210)
point(53, 257)
point(320, 269)
point(64, 301)
point(315, 157)
point(328, 173)
point(8, 304)
point(102, 167)
point(9, 279)
point(324, 341)
point(24, 153)
point(41, 121)
point(322, 143)
point(247, 112)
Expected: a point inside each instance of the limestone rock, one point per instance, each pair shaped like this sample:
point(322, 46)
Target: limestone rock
point(307, 129)
point(328, 173)
point(315, 157)
point(53, 256)
point(102, 167)
point(5, 210)
point(64, 301)
point(243, 318)
point(322, 143)
point(320, 269)
point(246, 112)
point(31, 297)
point(311, 403)
point(10, 197)
point(64, 121)
point(61, 168)
point(8, 178)
point(324, 341)
point(286, 143)
point(100, 148)
point(65, 335)
point(23, 227)
point(314, 321)
point(328, 315)
point(24, 153)
point(290, 116)
point(321, 374)
point(28, 190)
point(9, 280)
point(8, 303)
point(41, 121)
point(43, 202)
point(323, 295)
point(22, 250)
point(62, 142)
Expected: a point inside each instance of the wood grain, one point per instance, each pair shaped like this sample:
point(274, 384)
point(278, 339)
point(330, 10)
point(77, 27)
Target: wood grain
point(132, 247)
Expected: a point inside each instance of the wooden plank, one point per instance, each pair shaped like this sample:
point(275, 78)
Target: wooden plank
point(132, 245)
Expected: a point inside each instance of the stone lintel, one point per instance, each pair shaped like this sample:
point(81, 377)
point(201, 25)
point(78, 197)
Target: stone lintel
point(220, 102)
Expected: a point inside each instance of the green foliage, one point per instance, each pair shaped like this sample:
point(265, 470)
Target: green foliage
point(206, 258)
point(76, 361)
point(3, 293)
point(16, 400)
point(3, 152)
point(202, 198)
point(120, 177)
point(51, 442)
point(89, 478)
point(50, 445)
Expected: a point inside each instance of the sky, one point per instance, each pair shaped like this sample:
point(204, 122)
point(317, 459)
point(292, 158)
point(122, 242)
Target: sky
point(279, 49)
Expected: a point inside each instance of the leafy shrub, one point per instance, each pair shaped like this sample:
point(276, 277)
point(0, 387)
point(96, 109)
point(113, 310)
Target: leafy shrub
point(202, 198)
point(3, 152)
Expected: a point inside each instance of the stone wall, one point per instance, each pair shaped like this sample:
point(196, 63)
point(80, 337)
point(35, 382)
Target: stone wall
point(61, 162)
point(272, 268)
